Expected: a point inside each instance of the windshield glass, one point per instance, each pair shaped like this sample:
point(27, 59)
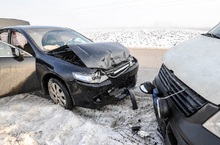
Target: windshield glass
point(49, 39)
point(215, 31)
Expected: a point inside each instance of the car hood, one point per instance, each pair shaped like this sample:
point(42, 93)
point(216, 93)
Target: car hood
point(196, 62)
point(101, 55)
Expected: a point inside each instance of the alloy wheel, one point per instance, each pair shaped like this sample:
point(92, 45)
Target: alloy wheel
point(56, 93)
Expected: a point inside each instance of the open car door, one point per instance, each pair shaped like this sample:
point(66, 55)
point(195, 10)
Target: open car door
point(17, 71)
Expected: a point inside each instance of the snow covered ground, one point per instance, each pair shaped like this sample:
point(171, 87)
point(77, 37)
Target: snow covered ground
point(32, 119)
point(143, 38)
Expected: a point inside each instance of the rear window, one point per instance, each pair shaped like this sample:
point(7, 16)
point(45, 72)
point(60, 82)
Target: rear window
point(4, 36)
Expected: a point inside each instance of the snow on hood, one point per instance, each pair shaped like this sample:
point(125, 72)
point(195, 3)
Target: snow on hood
point(101, 55)
point(196, 62)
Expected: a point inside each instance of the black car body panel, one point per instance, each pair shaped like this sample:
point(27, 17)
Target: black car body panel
point(85, 94)
point(96, 55)
point(110, 64)
point(105, 92)
point(101, 55)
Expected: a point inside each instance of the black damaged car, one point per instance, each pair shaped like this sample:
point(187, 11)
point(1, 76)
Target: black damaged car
point(69, 67)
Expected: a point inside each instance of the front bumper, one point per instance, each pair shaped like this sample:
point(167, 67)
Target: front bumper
point(110, 91)
point(181, 129)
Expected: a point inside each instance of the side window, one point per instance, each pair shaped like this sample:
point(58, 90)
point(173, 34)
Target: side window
point(5, 50)
point(4, 36)
point(8, 51)
point(17, 39)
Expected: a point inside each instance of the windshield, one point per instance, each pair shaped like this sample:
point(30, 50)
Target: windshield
point(49, 39)
point(215, 31)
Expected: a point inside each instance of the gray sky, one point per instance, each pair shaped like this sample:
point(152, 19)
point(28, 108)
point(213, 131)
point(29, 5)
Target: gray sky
point(88, 14)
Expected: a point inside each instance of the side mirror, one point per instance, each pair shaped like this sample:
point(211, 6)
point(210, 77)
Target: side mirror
point(19, 54)
point(147, 88)
point(143, 89)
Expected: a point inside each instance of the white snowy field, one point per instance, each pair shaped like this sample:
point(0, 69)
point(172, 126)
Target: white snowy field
point(143, 38)
point(31, 119)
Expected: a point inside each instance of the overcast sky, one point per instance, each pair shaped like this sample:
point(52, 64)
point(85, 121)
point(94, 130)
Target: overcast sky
point(88, 14)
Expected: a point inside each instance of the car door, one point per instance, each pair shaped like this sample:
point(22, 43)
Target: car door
point(17, 71)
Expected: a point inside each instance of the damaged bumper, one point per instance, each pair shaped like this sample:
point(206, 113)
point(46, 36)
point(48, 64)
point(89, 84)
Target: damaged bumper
point(108, 92)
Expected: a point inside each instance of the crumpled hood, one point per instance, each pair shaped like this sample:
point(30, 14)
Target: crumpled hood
point(101, 55)
point(196, 62)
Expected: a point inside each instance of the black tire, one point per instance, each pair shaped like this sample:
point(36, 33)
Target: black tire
point(133, 100)
point(59, 93)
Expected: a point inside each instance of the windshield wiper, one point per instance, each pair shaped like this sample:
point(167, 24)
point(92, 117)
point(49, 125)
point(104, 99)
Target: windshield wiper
point(211, 35)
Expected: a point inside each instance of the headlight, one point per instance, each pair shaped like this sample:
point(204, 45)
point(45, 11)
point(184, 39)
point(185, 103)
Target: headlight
point(96, 77)
point(131, 61)
point(213, 124)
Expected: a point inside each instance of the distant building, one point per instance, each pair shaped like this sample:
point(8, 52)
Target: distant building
point(4, 22)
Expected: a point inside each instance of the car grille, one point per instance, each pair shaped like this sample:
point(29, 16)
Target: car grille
point(118, 70)
point(188, 101)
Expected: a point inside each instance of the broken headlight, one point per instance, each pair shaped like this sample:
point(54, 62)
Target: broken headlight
point(96, 77)
point(213, 124)
point(131, 61)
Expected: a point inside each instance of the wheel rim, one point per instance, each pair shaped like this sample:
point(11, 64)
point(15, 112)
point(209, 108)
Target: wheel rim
point(56, 93)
